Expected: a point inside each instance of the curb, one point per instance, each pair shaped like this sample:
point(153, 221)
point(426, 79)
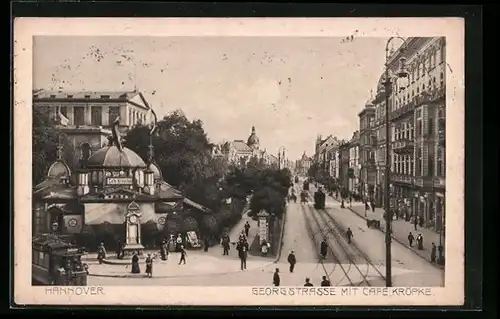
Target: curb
point(395, 239)
point(143, 275)
point(281, 237)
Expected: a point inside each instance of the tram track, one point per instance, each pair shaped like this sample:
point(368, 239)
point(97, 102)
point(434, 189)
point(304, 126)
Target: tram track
point(324, 234)
point(313, 237)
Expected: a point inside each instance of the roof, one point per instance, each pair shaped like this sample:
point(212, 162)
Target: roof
point(111, 156)
point(92, 95)
point(50, 241)
point(191, 203)
point(55, 190)
point(241, 146)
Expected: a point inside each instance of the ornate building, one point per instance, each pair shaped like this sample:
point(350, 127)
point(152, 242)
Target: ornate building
point(85, 118)
point(354, 166)
point(417, 126)
point(116, 196)
point(239, 152)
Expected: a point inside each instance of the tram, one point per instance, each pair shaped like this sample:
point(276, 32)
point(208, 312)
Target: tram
point(57, 262)
point(319, 199)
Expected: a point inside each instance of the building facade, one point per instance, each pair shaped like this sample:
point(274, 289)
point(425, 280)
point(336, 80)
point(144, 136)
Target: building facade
point(303, 164)
point(367, 147)
point(354, 166)
point(417, 126)
point(343, 160)
point(325, 156)
point(85, 118)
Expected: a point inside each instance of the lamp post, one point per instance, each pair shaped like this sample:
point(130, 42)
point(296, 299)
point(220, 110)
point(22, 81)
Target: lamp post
point(401, 74)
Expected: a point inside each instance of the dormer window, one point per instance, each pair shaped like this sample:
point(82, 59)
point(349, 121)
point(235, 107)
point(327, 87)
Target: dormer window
point(70, 96)
point(35, 96)
point(53, 96)
point(87, 96)
point(104, 97)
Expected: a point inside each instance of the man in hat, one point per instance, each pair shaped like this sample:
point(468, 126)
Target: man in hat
point(292, 260)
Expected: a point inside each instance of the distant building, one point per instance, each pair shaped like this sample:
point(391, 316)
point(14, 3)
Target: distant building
point(239, 152)
point(85, 118)
point(367, 148)
point(354, 166)
point(343, 160)
point(325, 155)
point(303, 164)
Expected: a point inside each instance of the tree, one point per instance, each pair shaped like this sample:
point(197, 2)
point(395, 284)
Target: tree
point(313, 170)
point(44, 144)
point(182, 151)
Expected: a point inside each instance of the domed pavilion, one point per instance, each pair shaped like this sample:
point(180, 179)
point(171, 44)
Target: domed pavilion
point(113, 188)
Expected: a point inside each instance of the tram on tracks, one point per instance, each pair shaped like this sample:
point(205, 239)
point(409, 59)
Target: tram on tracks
point(57, 262)
point(319, 199)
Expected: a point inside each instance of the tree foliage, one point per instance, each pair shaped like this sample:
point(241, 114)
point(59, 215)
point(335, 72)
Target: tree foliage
point(44, 143)
point(182, 151)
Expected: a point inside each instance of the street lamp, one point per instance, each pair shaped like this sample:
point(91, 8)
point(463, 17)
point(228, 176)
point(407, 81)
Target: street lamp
point(403, 75)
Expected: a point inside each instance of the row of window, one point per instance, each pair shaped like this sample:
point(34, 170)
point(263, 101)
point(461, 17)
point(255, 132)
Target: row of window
point(406, 98)
point(96, 119)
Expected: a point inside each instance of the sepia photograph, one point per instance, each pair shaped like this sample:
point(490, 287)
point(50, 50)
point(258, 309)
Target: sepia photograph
point(258, 161)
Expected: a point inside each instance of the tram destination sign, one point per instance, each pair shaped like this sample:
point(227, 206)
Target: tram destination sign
point(119, 181)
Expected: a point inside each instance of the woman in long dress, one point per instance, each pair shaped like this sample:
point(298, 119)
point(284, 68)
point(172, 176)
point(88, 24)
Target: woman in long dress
point(135, 264)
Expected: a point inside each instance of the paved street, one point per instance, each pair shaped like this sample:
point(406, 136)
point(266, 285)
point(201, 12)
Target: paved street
point(372, 243)
point(400, 228)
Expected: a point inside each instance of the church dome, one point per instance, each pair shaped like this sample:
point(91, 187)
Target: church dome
point(253, 140)
point(111, 156)
point(58, 169)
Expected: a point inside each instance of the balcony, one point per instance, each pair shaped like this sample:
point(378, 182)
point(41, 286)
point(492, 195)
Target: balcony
point(402, 179)
point(406, 109)
point(423, 181)
point(439, 182)
point(404, 146)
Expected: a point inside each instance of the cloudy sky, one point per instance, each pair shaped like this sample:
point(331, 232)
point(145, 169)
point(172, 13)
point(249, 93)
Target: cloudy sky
point(290, 89)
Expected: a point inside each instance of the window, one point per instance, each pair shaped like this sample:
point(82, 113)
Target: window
point(85, 151)
point(418, 90)
point(95, 116)
point(39, 221)
point(442, 53)
point(430, 165)
point(441, 79)
point(418, 162)
point(431, 126)
point(440, 163)
point(79, 113)
point(64, 111)
point(114, 113)
point(411, 166)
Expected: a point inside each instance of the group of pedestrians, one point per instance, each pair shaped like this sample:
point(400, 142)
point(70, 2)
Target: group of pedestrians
point(277, 280)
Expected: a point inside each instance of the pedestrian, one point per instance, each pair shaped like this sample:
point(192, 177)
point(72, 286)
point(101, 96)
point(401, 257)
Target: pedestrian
point(323, 248)
point(101, 252)
point(350, 200)
point(415, 222)
point(367, 207)
point(149, 266)
point(410, 239)
point(178, 243)
point(292, 260)
point(225, 245)
point(135, 264)
point(342, 203)
point(276, 277)
point(433, 253)
point(119, 249)
point(349, 235)
point(242, 248)
point(325, 282)
point(308, 283)
point(247, 228)
point(183, 255)
point(206, 243)
point(373, 206)
point(420, 242)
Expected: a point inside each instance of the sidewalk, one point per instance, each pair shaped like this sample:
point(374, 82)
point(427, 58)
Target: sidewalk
point(235, 232)
point(400, 231)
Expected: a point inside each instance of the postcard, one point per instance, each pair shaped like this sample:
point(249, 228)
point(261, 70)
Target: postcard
point(269, 161)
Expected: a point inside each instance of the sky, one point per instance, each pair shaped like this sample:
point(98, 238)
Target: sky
point(291, 89)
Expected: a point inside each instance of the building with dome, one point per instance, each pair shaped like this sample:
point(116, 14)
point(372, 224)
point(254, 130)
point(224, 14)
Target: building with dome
point(239, 152)
point(114, 195)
